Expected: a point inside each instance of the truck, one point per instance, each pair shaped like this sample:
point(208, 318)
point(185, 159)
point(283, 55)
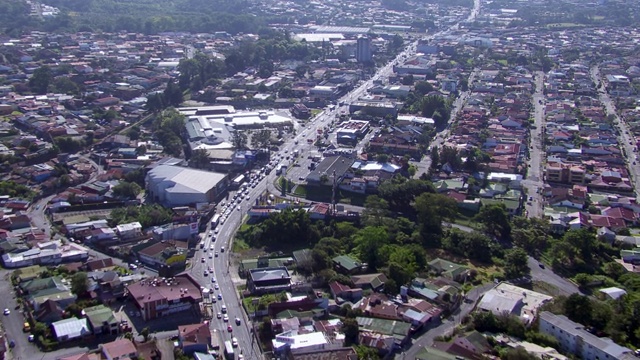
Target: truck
point(296, 152)
point(228, 350)
point(279, 169)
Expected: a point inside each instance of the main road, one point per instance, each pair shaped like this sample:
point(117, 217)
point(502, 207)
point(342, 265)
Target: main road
point(534, 181)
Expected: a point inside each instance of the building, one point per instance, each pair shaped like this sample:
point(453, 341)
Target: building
point(194, 338)
point(121, 349)
point(130, 230)
point(70, 329)
point(159, 297)
point(102, 320)
point(575, 339)
point(179, 186)
point(268, 280)
point(363, 50)
point(328, 167)
point(507, 298)
point(292, 341)
point(564, 173)
point(46, 254)
point(375, 107)
point(352, 131)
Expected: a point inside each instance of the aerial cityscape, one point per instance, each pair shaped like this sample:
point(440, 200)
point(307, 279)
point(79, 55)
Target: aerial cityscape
point(319, 180)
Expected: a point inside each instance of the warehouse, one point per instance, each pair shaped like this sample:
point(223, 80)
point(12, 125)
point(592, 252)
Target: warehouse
point(178, 186)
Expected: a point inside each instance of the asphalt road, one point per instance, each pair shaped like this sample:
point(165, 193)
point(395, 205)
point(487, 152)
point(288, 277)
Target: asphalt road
point(564, 286)
point(534, 182)
point(625, 138)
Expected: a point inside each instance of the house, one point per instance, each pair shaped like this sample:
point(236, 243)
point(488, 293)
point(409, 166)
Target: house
point(450, 270)
point(369, 281)
point(378, 306)
point(102, 320)
point(49, 312)
point(471, 346)
point(70, 329)
point(121, 349)
point(399, 330)
point(341, 292)
point(575, 339)
point(99, 264)
point(194, 338)
point(345, 264)
point(159, 297)
point(268, 280)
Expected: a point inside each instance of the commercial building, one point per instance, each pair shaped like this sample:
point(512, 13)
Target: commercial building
point(352, 131)
point(514, 300)
point(178, 186)
point(363, 50)
point(159, 297)
point(48, 253)
point(268, 280)
point(575, 339)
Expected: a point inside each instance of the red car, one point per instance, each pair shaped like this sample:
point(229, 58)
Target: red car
point(229, 328)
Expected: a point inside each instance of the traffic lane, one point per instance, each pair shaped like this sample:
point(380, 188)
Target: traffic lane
point(542, 273)
point(13, 323)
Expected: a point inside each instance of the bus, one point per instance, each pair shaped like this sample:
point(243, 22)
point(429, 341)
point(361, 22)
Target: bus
point(238, 181)
point(215, 220)
point(228, 350)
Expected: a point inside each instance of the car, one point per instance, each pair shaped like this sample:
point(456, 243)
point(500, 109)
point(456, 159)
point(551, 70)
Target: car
point(7, 311)
point(202, 260)
point(31, 338)
point(206, 273)
point(210, 256)
point(223, 308)
point(541, 265)
point(234, 342)
point(216, 254)
point(237, 320)
point(219, 296)
point(301, 178)
point(216, 230)
point(225, 318)
point(216, 287)
point(230, 328)
point(213, 280)
point(211, 248)
point(238, 208)
point(219, 315)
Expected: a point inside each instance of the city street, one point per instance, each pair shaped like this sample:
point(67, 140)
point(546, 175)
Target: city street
point(534, 182)
point(626, 140)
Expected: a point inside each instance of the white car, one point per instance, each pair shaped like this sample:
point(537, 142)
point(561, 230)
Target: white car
point(7, 311)
point(225, 318)
point(216, 287)
point(213, 280)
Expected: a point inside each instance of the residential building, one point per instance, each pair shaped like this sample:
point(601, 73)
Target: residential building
point(564, 173)
point(576, 340)
point(194, 338)
point(102, 320)
point(70, 329)
point(120, 349)
point(450, 270)
point(347, 265)
point(268, 280)
point(159, 297)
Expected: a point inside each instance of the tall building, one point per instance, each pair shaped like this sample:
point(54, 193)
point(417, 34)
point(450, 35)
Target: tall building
point(363, 49)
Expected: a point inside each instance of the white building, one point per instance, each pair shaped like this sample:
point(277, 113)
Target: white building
point(49, 253)
point(507, 298)
point(71, 328)
point(177, 186)
point(129, 230)
point(573, 338)
point(294, 341)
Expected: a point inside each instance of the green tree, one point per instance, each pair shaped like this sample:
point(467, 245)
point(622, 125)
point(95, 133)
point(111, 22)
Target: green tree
point(432, 209)
point(368, 241)
point(239, 139)
point(200, 159)
point(496, 220)
point(350, 330)
point(366, 353)
point(516, 264)
point(79, 283)
point(375, 210)
point(578, 308)
point(127, 190)
point(40, 80)
point(145, 332)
